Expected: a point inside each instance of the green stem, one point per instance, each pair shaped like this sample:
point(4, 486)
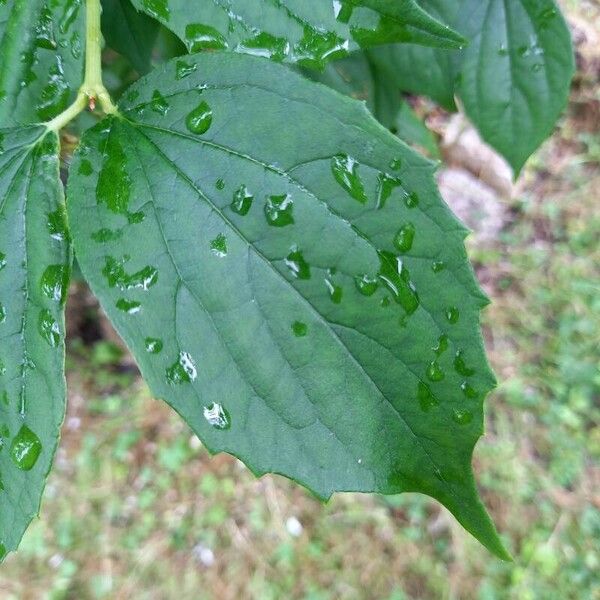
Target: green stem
point(92, 88)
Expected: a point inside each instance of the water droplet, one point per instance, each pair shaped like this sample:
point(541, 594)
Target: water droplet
point(183, 370)
point(503, 50)
point(335, 291)
point(3, 552)
point(159, 9)
point(442, 345)
point(69, 15)
point(342, 11)
point(345, 171)
point(220, 184)
point(159, 103)
point(49, 328)
point(396, 164)
point(297, 265)
point(366, 285)
point(461, 366)
point(386, 184)
point(2, 260)
point(54, 97)
point(114, 183)
point(136, 217)
point(452, 315)
point(153, 345)
point(184, 69)
point(469, 391)
point(217, 416)
point(57, 226)
point(537, 67)
point(434, 372)
point(317, 47)
point(265, 45)
point(200, 119)
point(106, 235)
point(396, 278)
point(203, 37)
point(426, 399)
point(2, 313)
point(44, 30)
point(438, 266)
point(55, 282)
point(299, 328)
point(2, 369)
point(462, 417)
point(411, 200)
point(242, 201)
point(85, 168)
point(131, 307)
point(405, 237)
point(116, 276)
point(25, 449)
point(279, 210)
point(219, 246)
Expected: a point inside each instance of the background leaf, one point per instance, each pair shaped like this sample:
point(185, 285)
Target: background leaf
point(41, 50)
point(309, 33)
point(513, 78)
point(302, 299)
point(34, 275)
point(129, 32)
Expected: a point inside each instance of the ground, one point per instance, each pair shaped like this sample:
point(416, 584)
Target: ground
point(136, 508)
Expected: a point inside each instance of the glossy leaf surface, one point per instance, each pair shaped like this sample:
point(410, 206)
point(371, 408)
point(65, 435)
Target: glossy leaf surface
point(289, 280)
point(34, 274)
point(41, 58)
point(129, 32)
point(513, 78)
point(306, 32)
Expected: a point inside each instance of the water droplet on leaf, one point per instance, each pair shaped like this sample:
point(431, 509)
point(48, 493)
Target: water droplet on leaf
point(25, 449)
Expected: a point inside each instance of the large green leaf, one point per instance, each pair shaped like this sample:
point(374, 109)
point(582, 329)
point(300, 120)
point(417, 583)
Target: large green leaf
point(41, 58)
point(288, 279)
point(129, 32)
point(513, 78)
point(34, 273)
point(307, 32)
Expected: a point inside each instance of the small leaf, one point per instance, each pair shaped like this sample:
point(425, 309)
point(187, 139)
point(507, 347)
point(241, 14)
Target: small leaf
point(129, 32)
point(34, 275)
point(513, 78)
point(41, 45)
point(309, 33)
point(304, 343)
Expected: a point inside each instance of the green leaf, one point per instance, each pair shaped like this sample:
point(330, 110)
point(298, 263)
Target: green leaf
point(34, 275)
point(129, 32)
point(513, 78)
point(288, 279)
point(309, 33)
point(41, 45)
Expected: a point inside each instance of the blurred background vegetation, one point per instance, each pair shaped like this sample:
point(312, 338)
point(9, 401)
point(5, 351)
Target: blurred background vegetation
point(136, 508)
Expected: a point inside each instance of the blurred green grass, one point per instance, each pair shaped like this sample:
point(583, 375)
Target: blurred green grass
point(136, 508)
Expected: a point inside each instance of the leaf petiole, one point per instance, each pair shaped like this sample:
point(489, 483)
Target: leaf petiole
point(92, 88)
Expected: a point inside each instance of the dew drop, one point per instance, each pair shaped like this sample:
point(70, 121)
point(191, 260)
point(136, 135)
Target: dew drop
point(438, 266)
point(434, 372)
point(200, 119)
point(25, 449)
point(279, 210)
point(396, 278)
point(452, 315)
point(461, 366)
point(131, 307)
point(217, 416)
point(114, 183)
point(3, 552)
point(153, 345)
point(469, 391)
point(265, 45)
point(106, 235)
point(317, 47)
point(85, 168)
point(299, 328)
point(396, 164)
point(2, 313)
point(183, 370)
point(297, 265)
point(366, 285)
point(55, 282)
point(386, 184)
point(116, 276)
point(203, 37)
point(184, 69)
point(159, 9)
point(2, 260)
point(426, 399)
point(462, 417)
point(411, 200)
point(220, 184)
point(405, 237)
point(335, 291)
point(442, 345)
point(219, 246)
point(345, 171)
point(159, 103)
point(49, 328)
point(242, 201)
